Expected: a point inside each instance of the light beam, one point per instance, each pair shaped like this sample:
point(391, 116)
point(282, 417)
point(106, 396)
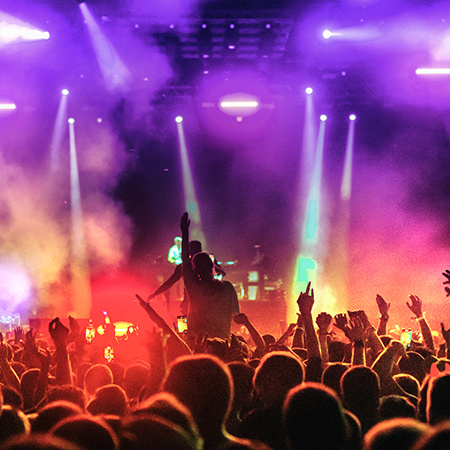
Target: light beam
point(190, 198)
point(80, 283)
point(346, 184)
point(59, 130)
point(115, 73)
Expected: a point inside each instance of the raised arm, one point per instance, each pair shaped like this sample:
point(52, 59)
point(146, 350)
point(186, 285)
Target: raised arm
point(384, 365)
point(59, 334)
point(416, 308)
point(177, 274)
point(446, 336)
point(323, 321)
point(178, 343)
point(305, 303)
point(375, 344)
point(447, 276)
point(354, 330)
point(383, 307)
point(287, 334)
point(188, 273)
point(299, 335)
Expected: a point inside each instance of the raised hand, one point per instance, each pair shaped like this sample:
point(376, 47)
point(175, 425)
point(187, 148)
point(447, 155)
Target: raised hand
point(445, 334)
point(354, 330)
point(240, 319)
point(415, 306)
point(383, 306)
point(305, 300)
point(19, 335)
point(447, 275)
point(323, 321)
point(30, 341)
point(185, 222)
point(340, 321)
point(74, 326)
point(364, 318)
point(58, 332)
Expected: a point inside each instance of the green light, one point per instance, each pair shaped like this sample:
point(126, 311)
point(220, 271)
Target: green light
point(304, 265)
point(311, 220)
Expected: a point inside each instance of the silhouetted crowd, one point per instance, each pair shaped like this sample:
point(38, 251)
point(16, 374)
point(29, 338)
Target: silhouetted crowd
point(325, 383)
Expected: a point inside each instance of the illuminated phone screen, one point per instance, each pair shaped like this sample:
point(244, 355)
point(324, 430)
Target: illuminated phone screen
point(182, 324)
point(406, 337)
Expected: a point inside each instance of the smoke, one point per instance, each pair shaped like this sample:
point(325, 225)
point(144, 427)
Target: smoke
point(399, 233)
point(33, 245)
point(35, 215)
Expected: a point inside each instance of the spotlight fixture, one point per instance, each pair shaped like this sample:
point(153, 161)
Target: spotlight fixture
point(71, 120)
point(239, 104)
point(323, 117)
point(326, 34)
point(433, 71)
point(309, 90)
point(352, 117)
point(178, 119)
point(65, 92)
point(7, 106)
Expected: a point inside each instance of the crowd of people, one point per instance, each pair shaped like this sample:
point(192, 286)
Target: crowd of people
point(325, 383)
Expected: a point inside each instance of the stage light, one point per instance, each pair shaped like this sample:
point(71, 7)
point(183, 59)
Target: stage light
point(11, 33)
point(239, 119)
point(433, 71)
point(309, 90)
point(7, 106)
point(323, 117)
point(231, 47)
point(65, 92)
point(239, 104)
point(178, 119)
point(71, 120)
point(349, 35)
point(352, 117)
point(232, 25)
point(35, 35)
